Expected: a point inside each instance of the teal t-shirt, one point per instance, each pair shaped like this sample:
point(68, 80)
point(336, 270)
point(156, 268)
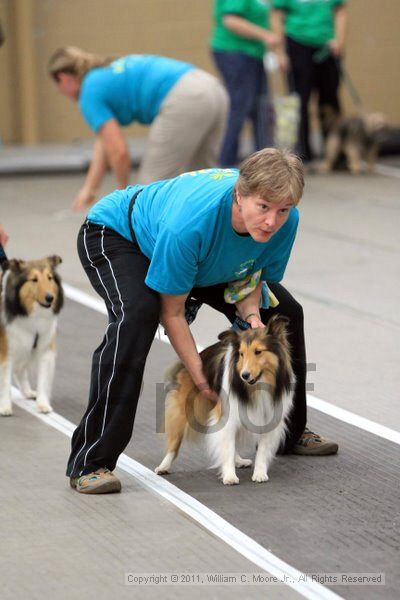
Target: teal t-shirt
point(183, 226)
point(310, 22)
point(132, 88)
point(255, 11)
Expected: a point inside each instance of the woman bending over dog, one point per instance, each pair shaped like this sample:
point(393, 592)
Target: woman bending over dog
point(149, 251)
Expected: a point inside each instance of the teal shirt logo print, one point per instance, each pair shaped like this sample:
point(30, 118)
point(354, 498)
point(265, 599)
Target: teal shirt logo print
point(245, 268)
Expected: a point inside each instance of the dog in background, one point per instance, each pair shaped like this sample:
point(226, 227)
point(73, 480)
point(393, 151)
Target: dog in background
point(358, 137)
point(31, 297)
point(252, 374)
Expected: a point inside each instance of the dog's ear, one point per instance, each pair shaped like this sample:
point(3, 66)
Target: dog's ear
point(277, 326)
point(228, 336)
point(54, 260)
point(14, 265)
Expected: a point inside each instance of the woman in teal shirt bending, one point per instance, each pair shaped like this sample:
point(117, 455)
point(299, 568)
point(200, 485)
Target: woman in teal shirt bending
point(185, 107)
point(149, 251)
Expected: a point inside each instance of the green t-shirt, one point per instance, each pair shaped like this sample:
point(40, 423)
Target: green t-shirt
point(255, 11)
point(310, 22)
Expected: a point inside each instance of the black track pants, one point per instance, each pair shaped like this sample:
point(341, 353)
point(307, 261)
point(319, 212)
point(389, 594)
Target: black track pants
point(117, 269)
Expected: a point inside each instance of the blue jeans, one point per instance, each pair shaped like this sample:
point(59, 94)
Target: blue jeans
point(246, 83)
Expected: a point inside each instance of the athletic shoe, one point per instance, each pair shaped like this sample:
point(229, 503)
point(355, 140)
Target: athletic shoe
point(101, 481)
point(312, 444)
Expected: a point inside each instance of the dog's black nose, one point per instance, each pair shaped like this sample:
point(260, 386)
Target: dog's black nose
point(245, 375)
point(49, 298)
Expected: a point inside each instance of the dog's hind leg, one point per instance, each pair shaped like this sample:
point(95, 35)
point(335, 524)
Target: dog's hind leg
point(46, 366)
point(175, 427)
point(332, 149)
point(242, 463)
point(174, 444)
point(353, 156)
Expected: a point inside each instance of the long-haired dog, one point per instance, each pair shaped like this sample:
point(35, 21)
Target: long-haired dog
point(31, 297)
point(252, 374)
point(358, 137)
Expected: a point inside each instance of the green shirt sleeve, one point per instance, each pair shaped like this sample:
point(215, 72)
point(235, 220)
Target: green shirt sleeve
point(226, 7)
point(280, 4)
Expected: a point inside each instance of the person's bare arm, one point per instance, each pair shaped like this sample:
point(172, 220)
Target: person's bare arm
point(337, 44)
point(98, 167)
point(178, 331)
point(245, 29)
point(277, 25)
point(249, 308)
point(116, 151)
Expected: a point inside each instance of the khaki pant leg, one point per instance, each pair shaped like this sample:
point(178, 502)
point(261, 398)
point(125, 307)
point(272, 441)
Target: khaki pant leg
point(208, 153)
point(186, 119)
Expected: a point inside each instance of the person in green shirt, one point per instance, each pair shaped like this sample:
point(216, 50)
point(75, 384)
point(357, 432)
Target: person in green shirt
point(314, 32)
point(238, 44)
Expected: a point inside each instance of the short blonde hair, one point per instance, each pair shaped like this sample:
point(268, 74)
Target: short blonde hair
point(274, 175)
point(75, 61)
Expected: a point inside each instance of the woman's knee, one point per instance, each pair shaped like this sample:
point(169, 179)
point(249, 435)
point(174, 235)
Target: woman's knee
point(142, 312)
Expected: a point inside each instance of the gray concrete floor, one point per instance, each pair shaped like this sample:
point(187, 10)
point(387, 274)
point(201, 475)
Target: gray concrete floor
point(345, 272)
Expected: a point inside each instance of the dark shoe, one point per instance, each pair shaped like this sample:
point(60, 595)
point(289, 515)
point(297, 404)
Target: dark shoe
point(312, 444)
point(101, 481)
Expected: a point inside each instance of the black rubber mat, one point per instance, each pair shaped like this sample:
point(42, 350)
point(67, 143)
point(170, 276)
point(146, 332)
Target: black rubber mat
point(320, 514)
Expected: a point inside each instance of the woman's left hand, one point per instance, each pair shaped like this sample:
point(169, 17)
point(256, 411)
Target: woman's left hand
point(336, 47)
point(255, 321)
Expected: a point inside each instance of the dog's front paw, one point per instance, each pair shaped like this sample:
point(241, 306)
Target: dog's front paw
point(259, 476)
point(230, 479)
point(30, 394)
point(161, 471)
point(6, 411)
point(44, 408)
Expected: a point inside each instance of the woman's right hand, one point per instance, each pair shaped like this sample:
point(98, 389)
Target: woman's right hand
point(272, 39)
point(205, 389)
point(83, 199)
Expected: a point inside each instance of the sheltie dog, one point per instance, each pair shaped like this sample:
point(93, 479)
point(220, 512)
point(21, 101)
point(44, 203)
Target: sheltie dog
point(252, 375)
point(358, 137)
point(31, 297)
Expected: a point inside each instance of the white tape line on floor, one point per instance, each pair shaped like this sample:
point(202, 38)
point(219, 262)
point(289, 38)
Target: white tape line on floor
point(202, 515)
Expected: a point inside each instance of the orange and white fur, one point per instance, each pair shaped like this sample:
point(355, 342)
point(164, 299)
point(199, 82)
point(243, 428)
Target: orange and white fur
point(30, 299)
point(252, 374)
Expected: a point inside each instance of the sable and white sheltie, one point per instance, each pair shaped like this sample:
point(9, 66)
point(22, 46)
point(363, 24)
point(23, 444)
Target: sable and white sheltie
point(30, 299)
point(252, 374)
